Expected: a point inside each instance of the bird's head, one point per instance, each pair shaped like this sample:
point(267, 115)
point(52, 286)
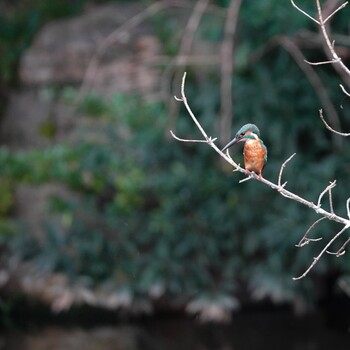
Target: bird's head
point(247, 131)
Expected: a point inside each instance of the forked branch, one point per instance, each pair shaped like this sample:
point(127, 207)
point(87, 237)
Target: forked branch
point(334, 57)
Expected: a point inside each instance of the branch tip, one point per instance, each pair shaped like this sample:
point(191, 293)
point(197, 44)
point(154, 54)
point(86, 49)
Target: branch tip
point(335, 11)
point(333, 60)
point(281, 170)
point(329, 127)
point(304, 13)
point(246, 179)
point(348, 207)
point(343, 89)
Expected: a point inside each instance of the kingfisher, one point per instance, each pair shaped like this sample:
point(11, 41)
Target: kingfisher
point(255, 152)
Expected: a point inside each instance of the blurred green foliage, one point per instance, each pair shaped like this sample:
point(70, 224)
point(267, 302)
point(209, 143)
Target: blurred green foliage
point(149, 211)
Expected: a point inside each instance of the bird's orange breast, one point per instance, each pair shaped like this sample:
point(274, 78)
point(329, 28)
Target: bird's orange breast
point(254, 156)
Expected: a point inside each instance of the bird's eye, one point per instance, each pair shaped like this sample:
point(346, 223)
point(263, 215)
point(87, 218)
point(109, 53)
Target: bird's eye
point(242, 134)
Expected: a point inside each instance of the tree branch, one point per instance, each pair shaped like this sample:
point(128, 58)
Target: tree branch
point(327, 189)
point(330, 215)
point(330, 45)
point(334, 57)
point(330, 128)
point(282, 168)
point(343, 89)
point(306, 240)
point(341, 250)
point(304, 13)
point(317, 258)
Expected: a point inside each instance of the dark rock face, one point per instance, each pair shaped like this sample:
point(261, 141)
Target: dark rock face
point(62, 51)
point(60, 56)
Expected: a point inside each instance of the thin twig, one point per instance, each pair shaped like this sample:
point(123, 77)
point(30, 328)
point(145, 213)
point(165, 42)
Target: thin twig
point(330, 45)
point(304, 13)
point(317, 258)
point(184, 100)
point(341, 250)
point(340, 67)
point(322, 62)
point(328, 188)
point(330, 128)
point(335, 11)
point(207, 139)
point(343, 89)
point(282, 169)
point(330, 200)
point(306, 240)
point(249, 177)
point(189, 140)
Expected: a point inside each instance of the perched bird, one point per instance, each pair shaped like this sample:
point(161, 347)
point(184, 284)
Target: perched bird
point(255, 152)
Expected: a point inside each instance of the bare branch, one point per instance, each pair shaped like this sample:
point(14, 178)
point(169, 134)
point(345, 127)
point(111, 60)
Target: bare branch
point(245, 179)
point(188, 140)
point(330, 128)
point(343, 89)
point(341, 250)
point(184, 100)
point(317, 258)
point(330, 200)
point(322, 62)
point(329, 44)
point(348, 207)
point(335, 11)
point(340, 67)
point(208, 139)
point(278, 187)
point(282, 168)
point(304, 13)
point(328, 188)
point(306, 240)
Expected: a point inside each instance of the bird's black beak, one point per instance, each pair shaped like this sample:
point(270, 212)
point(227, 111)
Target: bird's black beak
point(231, 143)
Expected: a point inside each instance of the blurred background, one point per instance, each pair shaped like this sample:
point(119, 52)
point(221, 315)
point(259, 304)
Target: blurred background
point(113, 235)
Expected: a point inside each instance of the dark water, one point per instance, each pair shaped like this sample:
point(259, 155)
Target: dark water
point(247, 331)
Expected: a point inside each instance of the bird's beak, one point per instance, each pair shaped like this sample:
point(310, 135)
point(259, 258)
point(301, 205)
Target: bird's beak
point(231, 143)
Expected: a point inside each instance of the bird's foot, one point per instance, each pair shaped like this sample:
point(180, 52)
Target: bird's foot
point(249, 174)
